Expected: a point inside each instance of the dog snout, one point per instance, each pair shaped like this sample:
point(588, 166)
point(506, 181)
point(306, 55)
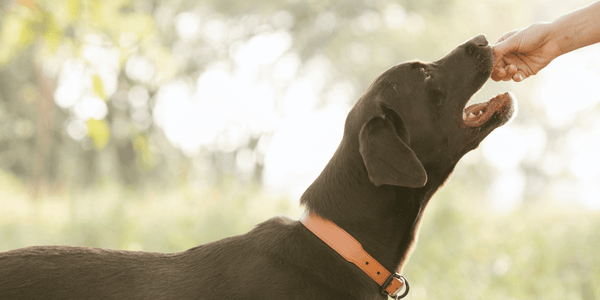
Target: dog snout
point(480, 40)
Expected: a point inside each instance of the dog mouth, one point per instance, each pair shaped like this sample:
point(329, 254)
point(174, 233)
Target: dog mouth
point(498, 110)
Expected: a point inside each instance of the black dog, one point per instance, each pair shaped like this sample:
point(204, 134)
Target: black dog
point(401, 141)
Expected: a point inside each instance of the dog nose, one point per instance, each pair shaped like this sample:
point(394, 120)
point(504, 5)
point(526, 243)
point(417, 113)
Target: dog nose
point(480, 40)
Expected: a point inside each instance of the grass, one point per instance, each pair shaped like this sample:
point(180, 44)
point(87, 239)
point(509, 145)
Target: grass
point(465, 250)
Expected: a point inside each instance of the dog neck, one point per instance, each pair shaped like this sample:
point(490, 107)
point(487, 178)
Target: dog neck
point(383, 219)
point(351, 250)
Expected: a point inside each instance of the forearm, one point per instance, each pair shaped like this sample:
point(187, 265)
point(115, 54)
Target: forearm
point(577, 29)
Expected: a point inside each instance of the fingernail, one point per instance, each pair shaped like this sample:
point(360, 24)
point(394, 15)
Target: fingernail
point(519, 77)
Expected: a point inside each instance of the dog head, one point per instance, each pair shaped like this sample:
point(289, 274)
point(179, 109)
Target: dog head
point(412, 123)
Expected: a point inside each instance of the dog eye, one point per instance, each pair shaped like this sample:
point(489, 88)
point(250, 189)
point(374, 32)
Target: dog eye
point(426, 73)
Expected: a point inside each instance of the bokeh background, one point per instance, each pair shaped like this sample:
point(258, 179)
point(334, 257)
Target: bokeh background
point(160, 125)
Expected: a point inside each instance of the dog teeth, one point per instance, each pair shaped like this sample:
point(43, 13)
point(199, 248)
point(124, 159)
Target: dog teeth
point(471, 115)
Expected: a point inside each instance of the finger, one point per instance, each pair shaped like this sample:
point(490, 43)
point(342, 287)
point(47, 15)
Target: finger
point(511, 70)
point(498, 69)
point(519, 76)
point(498, 58)
point(501, 64)
point(498, 74)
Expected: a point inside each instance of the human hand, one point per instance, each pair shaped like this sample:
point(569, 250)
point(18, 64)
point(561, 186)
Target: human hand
point(521, 53)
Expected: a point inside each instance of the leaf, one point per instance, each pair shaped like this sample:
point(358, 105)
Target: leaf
point(16, 34)
point(73, 8)
point(98, 86)
point(99, 131)
point(145, 155)
point(51, 33)
point(139, 24)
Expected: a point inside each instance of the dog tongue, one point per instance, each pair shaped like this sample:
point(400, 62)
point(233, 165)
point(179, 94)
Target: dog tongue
point(478, 114)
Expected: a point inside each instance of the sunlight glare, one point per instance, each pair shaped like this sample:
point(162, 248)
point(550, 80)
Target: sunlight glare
point(505, 148)
point(507, 191)
point(187, 25)
point(71, 83)
point(264, 48)
point(589, 194)
point(569, 85)
point(90, 107)
point(301, 149)
point(139, 68)
point(394, 16)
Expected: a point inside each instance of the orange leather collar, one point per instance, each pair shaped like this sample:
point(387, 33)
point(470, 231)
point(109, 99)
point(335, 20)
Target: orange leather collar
point(350, 249)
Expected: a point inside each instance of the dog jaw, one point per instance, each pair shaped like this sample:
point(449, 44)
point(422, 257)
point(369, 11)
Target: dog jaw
point(501, 107)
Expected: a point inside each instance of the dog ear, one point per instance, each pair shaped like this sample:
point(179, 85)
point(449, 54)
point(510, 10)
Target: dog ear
point(387, 157)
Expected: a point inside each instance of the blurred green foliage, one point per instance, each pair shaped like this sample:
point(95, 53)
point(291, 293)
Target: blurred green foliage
point(465, 250)
point(539, 251)
point(115, 217)
point(101, 40)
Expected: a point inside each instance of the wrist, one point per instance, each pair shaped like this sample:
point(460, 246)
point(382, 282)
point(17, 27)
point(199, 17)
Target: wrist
point(557, 38)
point(561, 36)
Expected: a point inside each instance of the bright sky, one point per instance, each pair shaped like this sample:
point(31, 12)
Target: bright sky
point(268, 89)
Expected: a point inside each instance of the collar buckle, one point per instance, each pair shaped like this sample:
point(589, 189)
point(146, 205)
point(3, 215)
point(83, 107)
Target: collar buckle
point(393, 285)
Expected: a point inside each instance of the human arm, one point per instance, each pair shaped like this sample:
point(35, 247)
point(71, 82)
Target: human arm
point(521, 53)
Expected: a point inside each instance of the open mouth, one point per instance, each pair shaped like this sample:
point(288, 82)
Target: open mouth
point(500, 107)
